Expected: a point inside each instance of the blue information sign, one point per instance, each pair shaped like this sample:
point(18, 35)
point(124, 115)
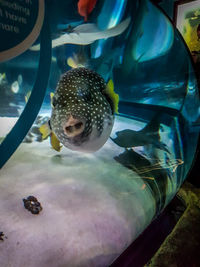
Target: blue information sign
point(14, 138)
point(20, 25)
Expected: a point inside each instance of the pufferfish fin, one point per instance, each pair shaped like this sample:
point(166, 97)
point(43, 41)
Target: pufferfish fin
point(112, 95)
point(55, 143)
point(45, 130)
point(27, 96)
point(51, 97)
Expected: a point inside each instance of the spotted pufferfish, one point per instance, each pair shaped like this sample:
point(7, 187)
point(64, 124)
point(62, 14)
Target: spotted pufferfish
point(83, 108)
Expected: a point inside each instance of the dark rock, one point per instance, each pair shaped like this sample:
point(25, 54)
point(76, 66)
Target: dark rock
point(2, 236)
point(32, 205)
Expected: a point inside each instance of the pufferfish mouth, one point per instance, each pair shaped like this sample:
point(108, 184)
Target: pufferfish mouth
point(73, 127)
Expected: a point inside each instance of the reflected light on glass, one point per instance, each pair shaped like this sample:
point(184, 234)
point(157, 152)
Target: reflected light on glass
point(155, 41)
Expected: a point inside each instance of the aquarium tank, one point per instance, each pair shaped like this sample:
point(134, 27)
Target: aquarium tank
point(99, 112)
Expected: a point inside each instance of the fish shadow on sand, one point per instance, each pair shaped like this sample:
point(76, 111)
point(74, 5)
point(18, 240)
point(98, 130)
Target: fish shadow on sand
point(154, 172)
point(155, 177)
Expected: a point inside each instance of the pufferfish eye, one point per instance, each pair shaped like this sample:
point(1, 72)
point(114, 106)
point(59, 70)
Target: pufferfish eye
point(84, 94)
point(54, 102)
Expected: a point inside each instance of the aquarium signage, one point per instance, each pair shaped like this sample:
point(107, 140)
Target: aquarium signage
point(20, 25)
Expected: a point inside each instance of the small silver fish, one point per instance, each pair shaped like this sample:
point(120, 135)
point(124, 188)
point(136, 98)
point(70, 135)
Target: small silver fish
point(82, 111)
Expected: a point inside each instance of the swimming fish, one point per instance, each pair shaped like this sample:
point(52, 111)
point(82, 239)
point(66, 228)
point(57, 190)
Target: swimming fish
point(85, 7)
point(34, 133)
point(77, 60)
point(83, 109)
point(2, 77)
point(15, 86)
point(27, 96)
point(87, 33)
point(102, 65)
point(148, 135)
point(155, 177)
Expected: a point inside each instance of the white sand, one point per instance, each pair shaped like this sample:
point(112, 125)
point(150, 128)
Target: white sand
point(6, 125)
point(93, 207)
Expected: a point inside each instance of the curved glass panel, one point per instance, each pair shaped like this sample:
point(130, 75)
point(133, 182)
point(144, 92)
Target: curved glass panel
point(93, 205)
point(17, 79)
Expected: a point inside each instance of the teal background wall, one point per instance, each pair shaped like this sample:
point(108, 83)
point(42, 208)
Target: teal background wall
point(167, 6)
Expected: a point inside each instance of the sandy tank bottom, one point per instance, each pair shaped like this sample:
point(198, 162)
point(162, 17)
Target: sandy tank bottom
point(93, 207)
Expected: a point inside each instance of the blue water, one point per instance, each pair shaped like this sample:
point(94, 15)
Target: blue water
point(153, 74)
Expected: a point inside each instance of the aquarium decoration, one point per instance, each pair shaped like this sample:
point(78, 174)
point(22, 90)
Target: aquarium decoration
point(99, 125)
point(187, 20)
